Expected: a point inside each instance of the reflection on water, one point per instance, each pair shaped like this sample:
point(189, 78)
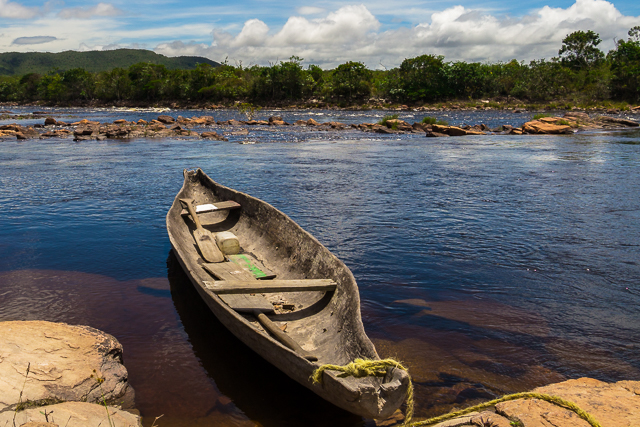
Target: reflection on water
point(488, 265)
point(261, 391)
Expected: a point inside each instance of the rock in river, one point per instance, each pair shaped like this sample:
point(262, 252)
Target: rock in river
point(44, 363)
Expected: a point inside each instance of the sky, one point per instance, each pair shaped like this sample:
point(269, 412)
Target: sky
point(381, 34)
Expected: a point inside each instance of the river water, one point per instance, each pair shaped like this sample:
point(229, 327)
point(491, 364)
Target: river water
point(488, 265)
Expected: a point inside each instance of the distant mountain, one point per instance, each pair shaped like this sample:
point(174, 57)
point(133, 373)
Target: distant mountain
point(14, 63)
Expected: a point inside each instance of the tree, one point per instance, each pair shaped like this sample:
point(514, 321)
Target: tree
point(579, 50)
point(148, 81)
point(422, 78)
point(466, 79)
point(113, 85)
point(79, 84)
point(283, 80)
point(351, 81)
point(625, 67)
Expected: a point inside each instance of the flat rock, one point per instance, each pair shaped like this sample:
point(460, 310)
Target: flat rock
point(577, 115)
point(433, 134)
point(613, 404)
point(618, 121)
point(213, 135)
point(38, 424)
point(490, 418)
point(166, 119)
point(544, 127)
point(454, 130)
point(54, 362)
point(71, 414)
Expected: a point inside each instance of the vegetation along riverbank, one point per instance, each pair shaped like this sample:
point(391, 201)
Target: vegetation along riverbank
point(581, 76)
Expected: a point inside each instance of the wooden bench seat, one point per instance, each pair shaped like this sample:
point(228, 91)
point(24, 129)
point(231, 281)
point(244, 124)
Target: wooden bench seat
point(269, 286)
point(212, 207)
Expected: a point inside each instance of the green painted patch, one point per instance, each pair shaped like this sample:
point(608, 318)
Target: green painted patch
point(244, 262)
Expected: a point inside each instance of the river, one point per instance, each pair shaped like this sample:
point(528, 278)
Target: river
point(488, 265)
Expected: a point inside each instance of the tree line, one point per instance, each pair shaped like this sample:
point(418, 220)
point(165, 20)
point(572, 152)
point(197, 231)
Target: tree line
point(581, 73)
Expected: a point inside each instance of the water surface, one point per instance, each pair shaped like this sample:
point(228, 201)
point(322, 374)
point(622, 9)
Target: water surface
point(488, 265)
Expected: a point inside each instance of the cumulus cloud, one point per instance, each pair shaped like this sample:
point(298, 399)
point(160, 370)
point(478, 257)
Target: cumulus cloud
point(459, 33)
point(178, 48)
point(33, 40)
point(13, 10)
point(350, 28)
point(101, 9)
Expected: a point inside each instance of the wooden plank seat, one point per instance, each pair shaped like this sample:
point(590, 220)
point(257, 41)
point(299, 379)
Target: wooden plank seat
point(239, 267)
point(250, 263)
point(232, 271)
point(212, 207)
point(235, 286)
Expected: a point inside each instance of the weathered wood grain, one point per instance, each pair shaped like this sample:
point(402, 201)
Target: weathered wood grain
point(211, 207)
point(270, 286)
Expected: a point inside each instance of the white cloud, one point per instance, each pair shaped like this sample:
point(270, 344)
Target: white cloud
point(101, 9)
point(13, 10)
point(458, 33)
point(326, 38)
point(179, 48)
point(310, 10)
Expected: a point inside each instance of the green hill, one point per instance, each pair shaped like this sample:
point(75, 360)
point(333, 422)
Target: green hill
point(14, 63)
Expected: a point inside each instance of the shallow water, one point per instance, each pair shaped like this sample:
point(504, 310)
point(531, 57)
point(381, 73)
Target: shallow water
point(489, 265)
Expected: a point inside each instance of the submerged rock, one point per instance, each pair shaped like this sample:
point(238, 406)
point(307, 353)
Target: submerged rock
point(213, 135)
point(44, 362)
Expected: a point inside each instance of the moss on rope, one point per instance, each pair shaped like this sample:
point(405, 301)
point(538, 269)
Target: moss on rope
point(360, 368)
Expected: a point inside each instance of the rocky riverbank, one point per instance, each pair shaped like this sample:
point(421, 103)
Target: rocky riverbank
point(611, 404)
point(68, 375)
point(202, 127)
point(54, 374)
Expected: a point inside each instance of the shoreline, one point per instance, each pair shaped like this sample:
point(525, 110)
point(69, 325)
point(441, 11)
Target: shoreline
point(608, 107)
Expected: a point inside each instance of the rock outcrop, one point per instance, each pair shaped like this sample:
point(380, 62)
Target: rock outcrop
point(213, 135)
point(71, 414)
point(168, 127)
point(454, 131)
point(615, 405)
point(611, 404)
point(43, 363)
point(18, 131)
point(546, 127)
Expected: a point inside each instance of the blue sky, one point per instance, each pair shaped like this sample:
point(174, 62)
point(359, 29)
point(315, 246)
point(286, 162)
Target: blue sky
point(326, 33)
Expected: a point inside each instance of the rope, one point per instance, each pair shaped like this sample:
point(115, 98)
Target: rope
point(360, 368)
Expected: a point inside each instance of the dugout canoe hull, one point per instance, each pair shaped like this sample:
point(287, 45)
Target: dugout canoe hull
point(328, 324)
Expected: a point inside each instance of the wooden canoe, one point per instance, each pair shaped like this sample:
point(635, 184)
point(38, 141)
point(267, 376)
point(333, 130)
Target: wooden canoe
point(323, 319)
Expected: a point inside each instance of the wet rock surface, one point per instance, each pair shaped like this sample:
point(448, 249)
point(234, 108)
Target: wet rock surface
point(44, 363)
point(166, 126)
